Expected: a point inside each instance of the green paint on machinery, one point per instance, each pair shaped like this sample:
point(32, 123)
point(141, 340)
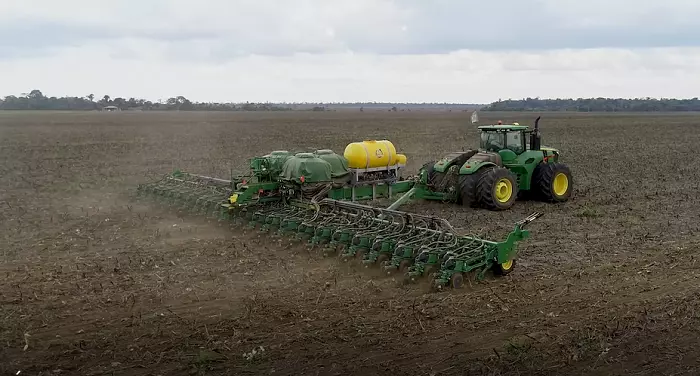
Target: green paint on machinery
point(504, 167)
point(320, 174)
point(281, 176)
point(408, 243)
point(313, 198)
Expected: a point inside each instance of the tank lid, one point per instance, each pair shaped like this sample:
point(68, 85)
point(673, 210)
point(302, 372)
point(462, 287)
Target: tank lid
point(304, 155)
point(279, 152)
point(324, 151)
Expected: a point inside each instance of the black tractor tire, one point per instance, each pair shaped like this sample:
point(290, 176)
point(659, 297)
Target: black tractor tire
point(488, 188)
point(467, 187)
point(552, 182)
point(434, 177)
point(429, 168)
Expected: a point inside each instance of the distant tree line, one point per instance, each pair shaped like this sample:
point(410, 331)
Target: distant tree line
point(596, 105)
point(36, 100)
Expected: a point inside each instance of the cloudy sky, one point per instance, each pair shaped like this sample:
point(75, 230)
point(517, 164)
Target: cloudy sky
point(468, 51)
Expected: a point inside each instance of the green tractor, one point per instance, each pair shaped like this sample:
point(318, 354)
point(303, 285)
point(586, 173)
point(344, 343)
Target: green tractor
point(506, 166)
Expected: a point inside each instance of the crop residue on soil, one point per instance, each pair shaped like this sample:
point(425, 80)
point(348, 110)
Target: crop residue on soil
point(97, 282)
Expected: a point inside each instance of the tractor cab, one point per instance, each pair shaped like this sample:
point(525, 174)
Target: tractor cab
point(495, 138)
point(509, 140)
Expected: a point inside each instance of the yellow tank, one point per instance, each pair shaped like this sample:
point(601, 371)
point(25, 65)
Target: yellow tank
point(373, 154)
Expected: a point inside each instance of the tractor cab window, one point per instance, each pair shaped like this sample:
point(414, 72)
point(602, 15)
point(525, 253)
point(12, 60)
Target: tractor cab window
point(492, 141)
point(514, 142)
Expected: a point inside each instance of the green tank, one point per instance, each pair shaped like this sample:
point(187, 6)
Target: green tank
point(307, 168)
point(339, 165)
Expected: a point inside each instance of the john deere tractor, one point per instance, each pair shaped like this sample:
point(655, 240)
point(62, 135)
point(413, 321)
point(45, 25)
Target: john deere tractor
point(509, 163)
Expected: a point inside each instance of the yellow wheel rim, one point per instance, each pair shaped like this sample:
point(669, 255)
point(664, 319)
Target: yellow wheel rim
point(504, 189)
point(507, 265)
point(561, 184)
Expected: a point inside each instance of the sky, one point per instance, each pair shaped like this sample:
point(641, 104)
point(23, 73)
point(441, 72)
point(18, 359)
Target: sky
point(456, 51)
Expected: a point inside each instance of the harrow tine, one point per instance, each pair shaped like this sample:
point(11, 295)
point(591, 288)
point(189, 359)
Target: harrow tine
point(413, 244)
point(186, 192)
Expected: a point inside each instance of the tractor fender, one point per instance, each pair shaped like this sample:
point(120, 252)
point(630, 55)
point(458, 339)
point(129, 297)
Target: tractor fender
point(551, 155)
point(471, 167)
point(456, 158)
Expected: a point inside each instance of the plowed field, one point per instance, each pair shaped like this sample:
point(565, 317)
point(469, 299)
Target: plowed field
point(94, 282)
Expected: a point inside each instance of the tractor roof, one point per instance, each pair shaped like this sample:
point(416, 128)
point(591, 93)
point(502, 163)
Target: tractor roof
point(503, 127)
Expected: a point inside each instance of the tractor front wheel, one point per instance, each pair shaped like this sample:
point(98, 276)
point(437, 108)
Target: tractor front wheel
point(552, 182)
point(497, 189)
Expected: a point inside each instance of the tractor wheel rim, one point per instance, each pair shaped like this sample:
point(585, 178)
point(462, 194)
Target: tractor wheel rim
point(507, 265)
point(561, 184)
point(504, 189)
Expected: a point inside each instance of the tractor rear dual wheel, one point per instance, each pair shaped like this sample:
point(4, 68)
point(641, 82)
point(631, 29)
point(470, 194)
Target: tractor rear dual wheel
point(429, 168)
point(497, 188)
point(434, 177)
point(467, 189)
point(552, 182)
point(446, 181)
